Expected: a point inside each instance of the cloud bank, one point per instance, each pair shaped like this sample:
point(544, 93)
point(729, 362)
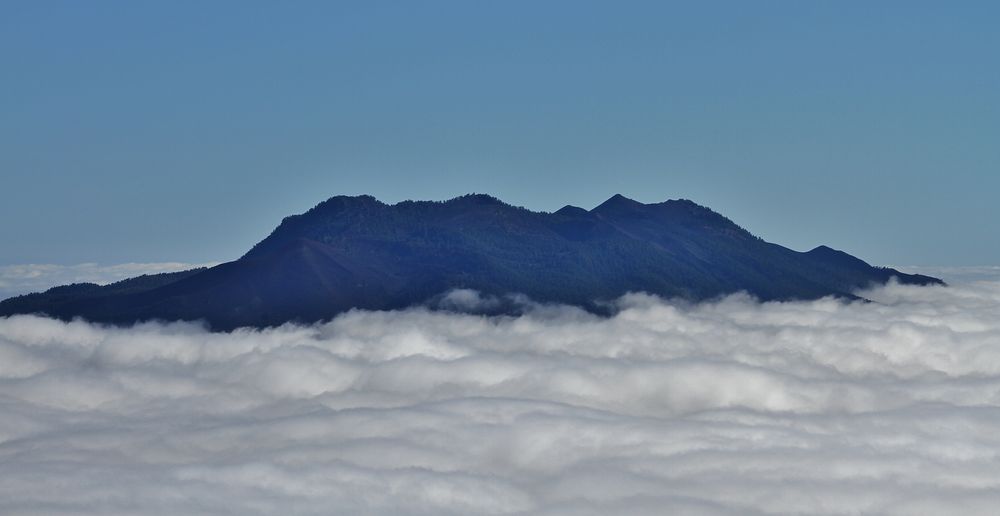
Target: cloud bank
point(26, 278)
point(730, 407)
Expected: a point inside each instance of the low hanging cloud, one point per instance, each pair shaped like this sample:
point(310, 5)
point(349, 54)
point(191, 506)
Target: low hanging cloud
point(956, 274)
point(38, 277)
point(729, 407)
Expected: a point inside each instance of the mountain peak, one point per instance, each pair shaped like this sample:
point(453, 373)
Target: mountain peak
point(340, 202)
point(571, 211)
point(618, 201)
point(476, 198)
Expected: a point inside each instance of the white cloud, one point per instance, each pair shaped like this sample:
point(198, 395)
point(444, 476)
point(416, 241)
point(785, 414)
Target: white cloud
point(955, 274)
point(26, 278)
point(732, 407)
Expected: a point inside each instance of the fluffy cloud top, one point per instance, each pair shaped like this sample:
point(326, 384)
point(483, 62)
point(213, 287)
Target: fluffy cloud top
point(22, 279)
point(731, 407)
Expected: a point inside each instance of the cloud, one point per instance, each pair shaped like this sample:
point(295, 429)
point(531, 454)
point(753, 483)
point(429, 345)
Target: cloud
point(730, 407)
point(26, 278)
point(955, 274)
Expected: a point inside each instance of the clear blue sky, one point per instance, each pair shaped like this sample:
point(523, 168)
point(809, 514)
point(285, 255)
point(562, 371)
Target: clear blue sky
point(185, 130)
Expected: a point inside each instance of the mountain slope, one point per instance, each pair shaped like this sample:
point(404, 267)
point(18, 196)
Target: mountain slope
point(357, 252)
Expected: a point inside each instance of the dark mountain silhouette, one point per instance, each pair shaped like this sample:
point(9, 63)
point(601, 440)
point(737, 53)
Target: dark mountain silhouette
point(357, 252)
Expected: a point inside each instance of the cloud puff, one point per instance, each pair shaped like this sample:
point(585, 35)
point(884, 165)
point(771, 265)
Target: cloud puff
point(22, 279)
point(730, 407)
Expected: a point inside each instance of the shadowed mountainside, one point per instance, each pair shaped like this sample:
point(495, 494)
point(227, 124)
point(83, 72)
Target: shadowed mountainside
point(357, 252)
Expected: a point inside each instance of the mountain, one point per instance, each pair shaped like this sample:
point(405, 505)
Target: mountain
point(357, 252)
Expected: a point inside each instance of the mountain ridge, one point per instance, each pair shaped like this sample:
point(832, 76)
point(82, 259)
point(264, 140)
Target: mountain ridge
point(358, 252)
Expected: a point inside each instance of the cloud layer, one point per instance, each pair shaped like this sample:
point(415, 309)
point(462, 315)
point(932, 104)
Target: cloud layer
point(731, 407)
point(26, 278)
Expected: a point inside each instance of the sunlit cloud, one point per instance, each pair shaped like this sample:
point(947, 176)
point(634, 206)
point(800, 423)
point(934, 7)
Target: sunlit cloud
point(730, 407)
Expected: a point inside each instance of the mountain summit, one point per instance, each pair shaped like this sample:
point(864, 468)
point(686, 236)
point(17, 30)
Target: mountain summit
point(358, 252)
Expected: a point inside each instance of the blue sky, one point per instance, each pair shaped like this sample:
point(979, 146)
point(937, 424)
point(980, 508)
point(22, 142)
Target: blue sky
point(184, 131)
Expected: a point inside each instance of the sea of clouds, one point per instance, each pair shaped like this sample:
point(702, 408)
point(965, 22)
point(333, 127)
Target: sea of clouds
point(37, 277)
point(728, 407)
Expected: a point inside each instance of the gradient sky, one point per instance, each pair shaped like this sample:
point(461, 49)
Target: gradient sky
point(184, 131)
